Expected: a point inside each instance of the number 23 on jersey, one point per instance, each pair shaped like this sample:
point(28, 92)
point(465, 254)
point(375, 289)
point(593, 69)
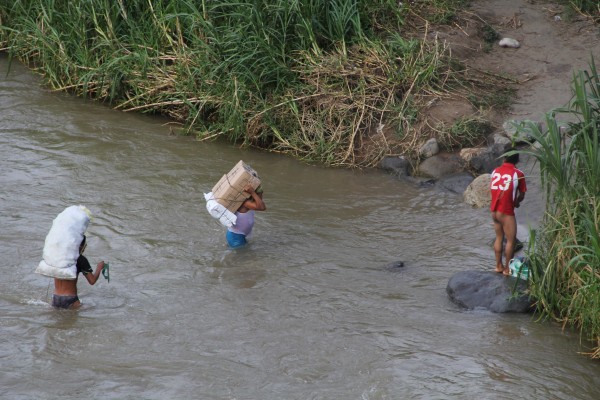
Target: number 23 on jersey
point(501, 182)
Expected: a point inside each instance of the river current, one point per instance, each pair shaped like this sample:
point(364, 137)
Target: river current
point(308, 310)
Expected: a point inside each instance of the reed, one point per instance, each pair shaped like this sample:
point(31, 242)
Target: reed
point(588, 7)
point(565, 252)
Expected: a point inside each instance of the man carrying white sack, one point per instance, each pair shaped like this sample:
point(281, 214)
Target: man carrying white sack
point(65, 290)
point(64, 259)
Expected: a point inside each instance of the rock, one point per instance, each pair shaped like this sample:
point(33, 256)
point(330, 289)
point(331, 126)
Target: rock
point(518, 244)
point(441, 165)
point(394, 266)
point(489, 290)
point(420, 181)
point(478, 192)
point(456, 183)
point(483, 159)
point(398, 165)
point(486, 161)
point(521, 131)
point(467, 154)
point(508, 42)
point(500, 144)
point(430, 148)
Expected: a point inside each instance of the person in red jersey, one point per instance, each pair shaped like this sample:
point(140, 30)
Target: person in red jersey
point(508, 189)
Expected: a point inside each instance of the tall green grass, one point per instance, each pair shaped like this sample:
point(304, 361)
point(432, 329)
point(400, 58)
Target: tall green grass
point(330, 81)
point(591, 7)
point(318, 79)
point(565, 251)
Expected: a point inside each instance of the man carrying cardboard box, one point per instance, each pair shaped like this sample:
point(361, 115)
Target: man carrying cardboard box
point(237, 233)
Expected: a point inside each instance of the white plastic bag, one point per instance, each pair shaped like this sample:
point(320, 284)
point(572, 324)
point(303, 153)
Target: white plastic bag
point(61, 248)
point(218, 211)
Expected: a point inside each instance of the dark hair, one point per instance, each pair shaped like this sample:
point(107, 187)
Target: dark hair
point(82, 242)
point(513, 158)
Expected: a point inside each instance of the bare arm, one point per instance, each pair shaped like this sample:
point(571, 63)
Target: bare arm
point(519, 199)
point(93, 277)
point(255, 202)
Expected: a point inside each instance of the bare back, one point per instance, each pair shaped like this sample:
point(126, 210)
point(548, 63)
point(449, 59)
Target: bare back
point(64, 287)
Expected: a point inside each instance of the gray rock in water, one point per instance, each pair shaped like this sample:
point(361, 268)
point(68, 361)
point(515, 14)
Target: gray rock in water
point(398, 165)
point(518, 244)
point(456, 183)
point(489, 290)
point(394, 266)
point(441, 165)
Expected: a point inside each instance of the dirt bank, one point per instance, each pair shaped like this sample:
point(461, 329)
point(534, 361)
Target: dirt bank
point(552, 49)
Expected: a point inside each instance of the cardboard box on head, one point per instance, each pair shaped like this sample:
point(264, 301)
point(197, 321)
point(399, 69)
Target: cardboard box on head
point(229, 191)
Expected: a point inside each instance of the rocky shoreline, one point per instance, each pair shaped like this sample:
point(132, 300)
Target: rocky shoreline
point(465, 172)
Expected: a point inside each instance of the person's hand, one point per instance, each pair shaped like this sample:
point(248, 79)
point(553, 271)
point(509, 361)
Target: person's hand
point(248, 189)
point(100, 265)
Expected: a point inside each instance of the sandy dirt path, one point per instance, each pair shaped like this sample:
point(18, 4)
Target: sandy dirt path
point(552, 49)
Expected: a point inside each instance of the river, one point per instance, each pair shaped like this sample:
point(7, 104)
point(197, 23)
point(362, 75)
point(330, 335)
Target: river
point(308, 310)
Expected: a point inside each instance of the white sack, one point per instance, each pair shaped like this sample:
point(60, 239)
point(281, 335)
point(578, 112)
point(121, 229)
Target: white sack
point(61, 248)
point(218, 211)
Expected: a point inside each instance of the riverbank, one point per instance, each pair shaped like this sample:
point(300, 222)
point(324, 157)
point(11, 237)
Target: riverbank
point(345, 88)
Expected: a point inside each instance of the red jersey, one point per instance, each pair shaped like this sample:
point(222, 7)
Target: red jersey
point(506, 181)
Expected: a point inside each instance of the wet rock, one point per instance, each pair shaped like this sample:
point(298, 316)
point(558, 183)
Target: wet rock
point(398, 165)
point(441, 165)
point(518, 244)
point(486, 162)
point(421, 182)
point(394, 266)
point(490, 291)
point(456, 183)
point(478, 193)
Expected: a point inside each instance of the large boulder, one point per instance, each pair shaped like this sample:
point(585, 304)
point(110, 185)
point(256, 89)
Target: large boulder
point(488, 290)
point(440, 165)
point(478, 192)
point(397, 165)
point(456, 183)
point(468, 153)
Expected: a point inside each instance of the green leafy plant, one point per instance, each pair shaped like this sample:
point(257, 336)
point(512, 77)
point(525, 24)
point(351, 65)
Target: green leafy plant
point(565, 252)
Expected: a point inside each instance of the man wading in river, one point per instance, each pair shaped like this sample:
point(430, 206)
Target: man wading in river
point(65, 290)
point(236, 234)
point(508, 191)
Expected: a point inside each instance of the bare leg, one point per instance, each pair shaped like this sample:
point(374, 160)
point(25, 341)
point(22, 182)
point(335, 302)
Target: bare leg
point(509, 224)
point(498, 242)
point(75, 305)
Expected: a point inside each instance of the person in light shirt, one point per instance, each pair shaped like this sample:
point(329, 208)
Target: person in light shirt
point(237, 233)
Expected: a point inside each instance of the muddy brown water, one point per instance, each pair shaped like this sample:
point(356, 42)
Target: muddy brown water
point(308, 310)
